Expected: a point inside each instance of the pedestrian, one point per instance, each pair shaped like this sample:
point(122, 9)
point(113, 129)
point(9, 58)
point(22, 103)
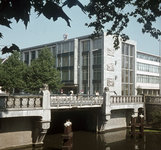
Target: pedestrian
point(68, 94)
point(71, 92)
point(97, 93)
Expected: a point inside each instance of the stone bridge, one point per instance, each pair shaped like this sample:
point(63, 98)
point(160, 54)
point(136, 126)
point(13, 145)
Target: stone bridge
point(33, 106)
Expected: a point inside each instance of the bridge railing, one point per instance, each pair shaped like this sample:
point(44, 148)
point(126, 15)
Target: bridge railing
point(20, 101)
point(76, 101)
point(152, 99)
point(126, 99)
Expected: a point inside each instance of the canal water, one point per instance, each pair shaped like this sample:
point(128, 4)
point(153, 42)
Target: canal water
point(117, 140)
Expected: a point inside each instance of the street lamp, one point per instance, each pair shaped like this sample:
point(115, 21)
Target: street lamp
point(89, 69)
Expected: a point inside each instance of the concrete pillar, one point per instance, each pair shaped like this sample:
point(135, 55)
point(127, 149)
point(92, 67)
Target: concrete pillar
point(105, 114)
point(43, 124)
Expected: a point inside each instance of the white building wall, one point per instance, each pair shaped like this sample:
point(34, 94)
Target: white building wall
point(111, 66)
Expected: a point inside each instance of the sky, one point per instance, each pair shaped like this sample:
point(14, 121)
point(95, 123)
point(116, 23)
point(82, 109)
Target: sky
point(41, 31)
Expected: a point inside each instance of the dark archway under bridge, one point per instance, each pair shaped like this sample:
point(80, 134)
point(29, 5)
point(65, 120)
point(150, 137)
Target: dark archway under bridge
point(82, 119)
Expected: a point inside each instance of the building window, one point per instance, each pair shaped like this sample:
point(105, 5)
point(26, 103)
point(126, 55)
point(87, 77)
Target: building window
point(97, 59)
point(59, 61)
point(33, 55)
point(65, 61)
point(71, 60)
point(148, 57)
point(54, 51)
point(147, 67)
point(71, 74)
point(147, 79)
point(65, 75)
point(38, 52)
point(85, 60)
point(27, 57)
point(59, 48)
point(97, 44)
point(85, 75)
point(65, 47)
point(72, 46)
point(85, 88)
point(96, 87)
point(97, 74)
point(86, 45)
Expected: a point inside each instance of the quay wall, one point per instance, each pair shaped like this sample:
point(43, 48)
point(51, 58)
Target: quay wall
point(16, 131)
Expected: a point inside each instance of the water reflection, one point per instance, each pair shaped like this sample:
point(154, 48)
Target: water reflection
point(118, 140)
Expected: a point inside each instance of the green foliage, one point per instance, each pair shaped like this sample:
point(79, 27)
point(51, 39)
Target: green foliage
point(41, 71)
point(12, 73)
point(156, 118)
point(114, 12)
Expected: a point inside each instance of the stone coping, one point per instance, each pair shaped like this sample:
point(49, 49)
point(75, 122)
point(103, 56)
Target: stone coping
point(21, 96)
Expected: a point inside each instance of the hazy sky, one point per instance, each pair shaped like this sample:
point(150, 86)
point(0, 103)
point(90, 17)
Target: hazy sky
point(41, 30)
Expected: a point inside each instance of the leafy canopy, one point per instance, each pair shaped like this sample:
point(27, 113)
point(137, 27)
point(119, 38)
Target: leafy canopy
point(102, 11)
point(12, 73)
point(42, 71)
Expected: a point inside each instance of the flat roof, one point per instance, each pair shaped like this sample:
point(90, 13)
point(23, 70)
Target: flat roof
point(147, 53)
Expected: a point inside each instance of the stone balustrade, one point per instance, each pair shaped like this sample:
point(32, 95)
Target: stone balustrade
point(20, 101)
point(126, 99)
point(76, 101)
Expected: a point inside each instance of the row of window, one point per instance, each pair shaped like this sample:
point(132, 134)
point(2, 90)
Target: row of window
point(148, 57)
point(66, 47)
point(97, 44)
point(96, 59)
point(96, 74)
point(127, 62)
point(96, 87)
point(66, 74)
point(128, 49)
point(127, 76)
point(147, 67)
point(147, 79)
point(64, 61)
point(127, 89)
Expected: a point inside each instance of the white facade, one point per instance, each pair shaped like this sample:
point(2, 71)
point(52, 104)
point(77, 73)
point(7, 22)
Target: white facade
point(88, 65)
point(148, 76)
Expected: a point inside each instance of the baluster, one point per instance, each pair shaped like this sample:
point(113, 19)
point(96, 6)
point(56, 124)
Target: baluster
point(121, 99)
point(24, 102)
point(38, 102)
point(124, 100)
point(130, 99)
point(17, 103)
point(31, 102)
point(111, 99)
point(10, 102)
point(117, 99)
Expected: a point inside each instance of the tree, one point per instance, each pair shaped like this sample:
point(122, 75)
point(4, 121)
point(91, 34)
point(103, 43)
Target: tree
point(102, 11)
point(12, 73)
point(41, 71)
point(114, 11)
